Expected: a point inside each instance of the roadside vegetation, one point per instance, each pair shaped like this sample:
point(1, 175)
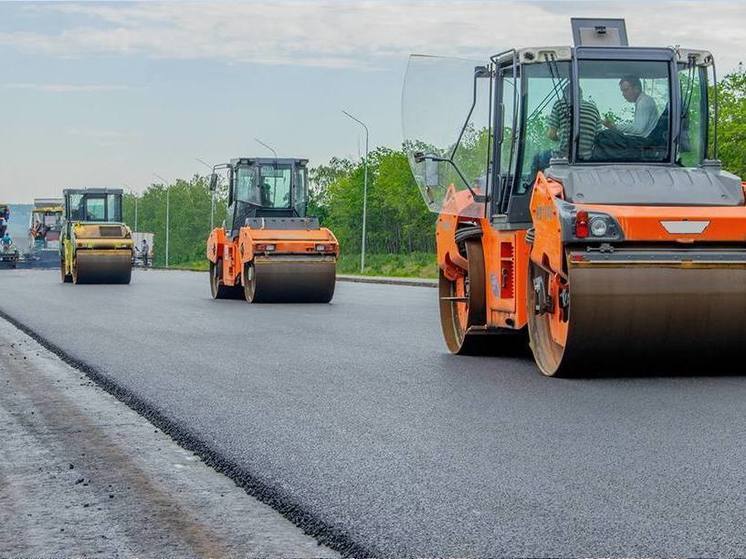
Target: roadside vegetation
point(401, 230)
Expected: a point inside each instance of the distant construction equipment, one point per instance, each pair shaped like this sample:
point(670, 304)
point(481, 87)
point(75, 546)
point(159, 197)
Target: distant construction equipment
point(96, 245)
point(45, 228)
point(269, 250)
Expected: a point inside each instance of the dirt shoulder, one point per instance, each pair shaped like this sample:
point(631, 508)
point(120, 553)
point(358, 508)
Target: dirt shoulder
point(81, 474)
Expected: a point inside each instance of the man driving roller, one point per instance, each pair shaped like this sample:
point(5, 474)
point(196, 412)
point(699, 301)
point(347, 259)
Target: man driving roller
point(646, 111)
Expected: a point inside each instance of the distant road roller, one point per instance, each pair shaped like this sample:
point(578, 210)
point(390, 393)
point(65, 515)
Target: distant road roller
point(96, 245)
point(580, 201)
point(269, 250)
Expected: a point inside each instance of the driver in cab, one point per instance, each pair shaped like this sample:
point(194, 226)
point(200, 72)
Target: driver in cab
point(646, 111)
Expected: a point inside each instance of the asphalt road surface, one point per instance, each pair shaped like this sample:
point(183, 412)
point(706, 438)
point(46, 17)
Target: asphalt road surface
point(354, 422)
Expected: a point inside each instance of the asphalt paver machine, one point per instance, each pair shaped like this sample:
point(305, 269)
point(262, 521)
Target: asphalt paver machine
point(45, 227)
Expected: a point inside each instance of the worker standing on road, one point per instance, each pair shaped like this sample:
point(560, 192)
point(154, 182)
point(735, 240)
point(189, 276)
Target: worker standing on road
point(144, 252)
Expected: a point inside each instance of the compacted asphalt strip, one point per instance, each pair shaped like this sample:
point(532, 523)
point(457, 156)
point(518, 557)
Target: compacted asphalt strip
point(354, 422)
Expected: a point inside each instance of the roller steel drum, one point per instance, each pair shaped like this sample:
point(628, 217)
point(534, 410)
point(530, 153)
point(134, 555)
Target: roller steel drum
point(290, 279)
point(655, 310)
point(102, 266)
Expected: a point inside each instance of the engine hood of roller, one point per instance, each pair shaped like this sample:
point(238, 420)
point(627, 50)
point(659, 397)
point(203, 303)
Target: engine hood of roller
point(648, 185)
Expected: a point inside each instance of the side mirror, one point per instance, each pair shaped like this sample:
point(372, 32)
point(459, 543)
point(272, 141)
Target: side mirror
point(213, 182)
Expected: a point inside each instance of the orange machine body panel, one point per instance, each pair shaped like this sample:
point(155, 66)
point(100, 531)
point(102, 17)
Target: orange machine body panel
point(237, 252)
point(507, 252)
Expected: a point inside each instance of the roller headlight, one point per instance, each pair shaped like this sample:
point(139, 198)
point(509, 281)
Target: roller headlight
point(599, 227)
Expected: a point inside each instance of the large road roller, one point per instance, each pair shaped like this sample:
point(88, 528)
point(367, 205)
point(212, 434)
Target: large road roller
point(581, 203)
point(96, 246)
point(269, 250)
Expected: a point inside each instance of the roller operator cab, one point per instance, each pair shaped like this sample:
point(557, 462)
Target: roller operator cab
point(580, 201)
point(269, 250)
point(96, 246)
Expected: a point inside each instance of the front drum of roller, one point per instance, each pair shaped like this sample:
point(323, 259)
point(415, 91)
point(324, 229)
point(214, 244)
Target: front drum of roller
point(646, 318)
point(288, 279)
point(93, 266)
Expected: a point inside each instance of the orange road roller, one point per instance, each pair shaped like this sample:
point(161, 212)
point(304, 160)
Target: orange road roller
point(96, 246)
point(269, 251)
point(581, 202)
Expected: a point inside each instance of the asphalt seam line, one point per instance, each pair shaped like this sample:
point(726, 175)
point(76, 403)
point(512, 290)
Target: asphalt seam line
point(326, 534)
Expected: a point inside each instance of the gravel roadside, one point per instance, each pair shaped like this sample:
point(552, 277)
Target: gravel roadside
point(81, 474)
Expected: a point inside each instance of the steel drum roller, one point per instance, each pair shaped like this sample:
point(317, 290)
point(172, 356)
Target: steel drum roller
point(105, 266)
point(289, 279)
point(659, 314)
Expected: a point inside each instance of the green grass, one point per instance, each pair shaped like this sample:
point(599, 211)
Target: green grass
point(197, 266)
point(414, 265)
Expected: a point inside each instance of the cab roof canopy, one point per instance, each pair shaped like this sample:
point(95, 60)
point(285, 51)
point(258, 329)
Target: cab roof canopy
point(607, 35)
point(94, 190)
point(268, 161)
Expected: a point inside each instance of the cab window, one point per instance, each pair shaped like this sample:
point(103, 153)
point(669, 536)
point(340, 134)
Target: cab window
point(95, 209)
point(633, 98)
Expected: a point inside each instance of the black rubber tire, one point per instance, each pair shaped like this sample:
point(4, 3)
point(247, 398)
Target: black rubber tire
point(458, 340)
point(548, 355)
point(66, 278)
point(249, 285)
point(217, 289)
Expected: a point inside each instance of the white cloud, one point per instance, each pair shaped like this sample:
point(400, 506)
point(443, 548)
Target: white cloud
point(66, 87)
point(346, 34)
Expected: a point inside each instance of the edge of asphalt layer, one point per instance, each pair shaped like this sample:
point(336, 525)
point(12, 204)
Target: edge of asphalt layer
point(325, 533)
point(412, 282)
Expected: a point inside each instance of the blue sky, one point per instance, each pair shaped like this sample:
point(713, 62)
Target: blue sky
point(109, 93)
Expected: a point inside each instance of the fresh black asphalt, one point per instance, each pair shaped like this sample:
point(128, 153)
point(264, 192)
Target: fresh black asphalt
point(358, 425)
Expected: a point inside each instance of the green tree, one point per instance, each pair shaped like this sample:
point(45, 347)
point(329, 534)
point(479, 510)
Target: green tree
point(732, 123)
point(190, 203)
point(397, 220)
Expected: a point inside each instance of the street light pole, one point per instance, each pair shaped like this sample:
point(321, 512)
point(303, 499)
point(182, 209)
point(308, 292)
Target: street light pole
point(212, 195)
point(270, 148)
point(168, 212)
point(365, 191)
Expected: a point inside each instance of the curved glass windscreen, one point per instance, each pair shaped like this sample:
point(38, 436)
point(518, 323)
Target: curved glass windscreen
point(447, 133)
point(95, 207)
point(265, 185)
